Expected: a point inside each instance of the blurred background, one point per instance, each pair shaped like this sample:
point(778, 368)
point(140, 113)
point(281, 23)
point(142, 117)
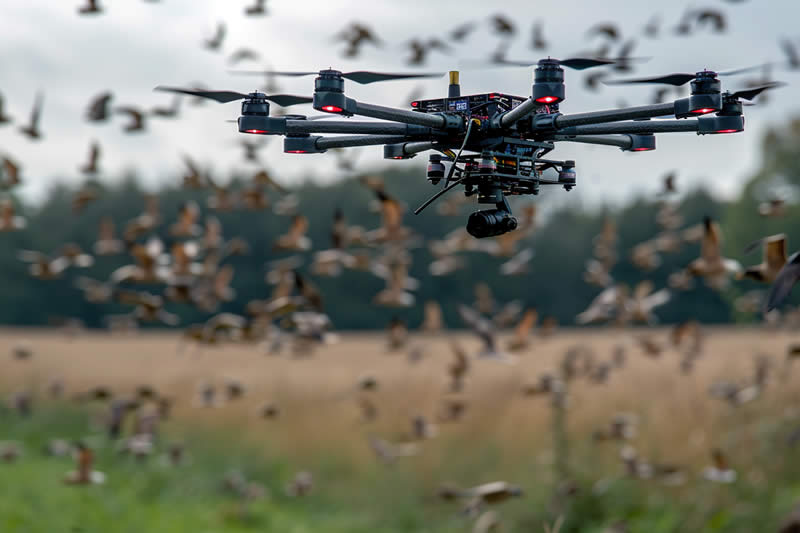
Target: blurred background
point(225, 337)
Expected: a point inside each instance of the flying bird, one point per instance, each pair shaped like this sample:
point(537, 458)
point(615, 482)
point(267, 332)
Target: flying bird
point(98, 110)
point(92, 7)
point(774, 253)
point(357, 35)
point(137, 118)
point(4, 119)
point(215, 42)
point(788, 276)
point(259, 7)
point(32, 129)
point(90, 168)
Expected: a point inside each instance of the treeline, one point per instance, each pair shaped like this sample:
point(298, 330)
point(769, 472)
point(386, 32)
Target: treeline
point(554, 285)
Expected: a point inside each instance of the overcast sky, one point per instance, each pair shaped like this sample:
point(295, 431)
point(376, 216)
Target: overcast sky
point(135, 45)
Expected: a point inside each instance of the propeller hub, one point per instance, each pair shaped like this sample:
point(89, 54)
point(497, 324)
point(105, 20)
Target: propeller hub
point(329, 81)
point(255, 104)
point(706, 82)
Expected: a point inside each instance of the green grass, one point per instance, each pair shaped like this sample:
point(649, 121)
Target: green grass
point(152, 497)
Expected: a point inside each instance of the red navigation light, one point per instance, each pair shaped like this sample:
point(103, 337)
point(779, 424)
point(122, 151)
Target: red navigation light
point(414, 104)
point(642, 149)
point(703, 110)
point(546, 99)
point(398, 157)
point(728, 131)
point(255, 131)
point(493, 95)
point(296, 152)
point(332, 108)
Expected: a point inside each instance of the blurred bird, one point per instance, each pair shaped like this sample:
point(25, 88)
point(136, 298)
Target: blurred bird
point(4, 119)
point(215, 42)
point(652, 27)
point(243, 54)
point(357, 35)
point(460, 32)
point(170, 111)
point(644, 300)
point(720, 471)
point(136, 123)
point(92, 7)
point(538, 41)
point(711, 266)
point(774, 254)
point(389, 452)
point(107, 243)
point(99, 110)
point(522, 332)
point(9, 220)
point(608, 30)
point(478, 497)
point(772, 208)
point(502, 25)
point(792, 54)
point(421, 48)
point(295, 238)
point(186, 225)
point(90, 168)
point(259, 7)
point(518, 264)
point(397, 332)
point(301, 485)
point(432, 321)
point(786, 279)
point(483, 329)
point(32, 130)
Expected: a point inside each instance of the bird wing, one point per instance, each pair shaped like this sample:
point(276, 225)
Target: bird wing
point(786, 279)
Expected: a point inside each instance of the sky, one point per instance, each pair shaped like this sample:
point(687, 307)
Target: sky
point(135, 45)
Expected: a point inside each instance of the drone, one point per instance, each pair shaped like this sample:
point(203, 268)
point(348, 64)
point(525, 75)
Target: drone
point(493, 144)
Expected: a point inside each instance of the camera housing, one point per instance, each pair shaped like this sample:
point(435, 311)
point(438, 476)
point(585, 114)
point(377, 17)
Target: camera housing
point(490, 223)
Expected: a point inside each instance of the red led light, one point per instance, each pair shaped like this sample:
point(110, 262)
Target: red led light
point(640, 149)
point(414, 104)
point(546, 99)
point(255, 131)
point(398, 157)
point(296, 152)
point(332, 108)
point(703, 110)
point(493, 95)
point(728, 131)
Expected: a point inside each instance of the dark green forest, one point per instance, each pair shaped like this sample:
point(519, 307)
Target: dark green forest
point(554, 284)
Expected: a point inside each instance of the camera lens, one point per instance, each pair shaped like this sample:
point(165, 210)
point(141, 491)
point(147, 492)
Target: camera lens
point(490, 223)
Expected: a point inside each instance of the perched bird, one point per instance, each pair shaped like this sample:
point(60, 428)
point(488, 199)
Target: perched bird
point(84, 475)
point(99, 110)
point(32, 130)
point(720, 471)
point(215, 42)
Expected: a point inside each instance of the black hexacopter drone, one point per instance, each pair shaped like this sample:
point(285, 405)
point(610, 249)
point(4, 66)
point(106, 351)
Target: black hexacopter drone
point(507, 136)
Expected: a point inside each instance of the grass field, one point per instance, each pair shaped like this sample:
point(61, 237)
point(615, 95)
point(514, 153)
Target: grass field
point(504, 435)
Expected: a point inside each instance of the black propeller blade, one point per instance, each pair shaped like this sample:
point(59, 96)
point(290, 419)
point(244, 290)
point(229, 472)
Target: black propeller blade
point(359, 76)
point(575, 63)
point(679, 78)
point(222, 97)
point(749, 94)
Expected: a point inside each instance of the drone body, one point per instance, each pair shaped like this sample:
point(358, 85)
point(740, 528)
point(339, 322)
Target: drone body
point(506, 137)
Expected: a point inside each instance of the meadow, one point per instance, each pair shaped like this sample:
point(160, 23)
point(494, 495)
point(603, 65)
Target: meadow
point(321, 427)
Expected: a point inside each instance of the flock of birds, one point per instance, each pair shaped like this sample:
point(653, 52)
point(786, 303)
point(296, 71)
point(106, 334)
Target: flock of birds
point(184, 260)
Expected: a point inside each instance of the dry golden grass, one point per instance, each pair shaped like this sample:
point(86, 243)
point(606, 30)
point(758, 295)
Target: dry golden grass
point(317, 395)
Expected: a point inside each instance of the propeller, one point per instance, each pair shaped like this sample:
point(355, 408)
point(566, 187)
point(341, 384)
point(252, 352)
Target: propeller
point(751, 93)
point(575, 63)
point(222, 97)
point(359, 76)
point(295, 117)
point(679, 78)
